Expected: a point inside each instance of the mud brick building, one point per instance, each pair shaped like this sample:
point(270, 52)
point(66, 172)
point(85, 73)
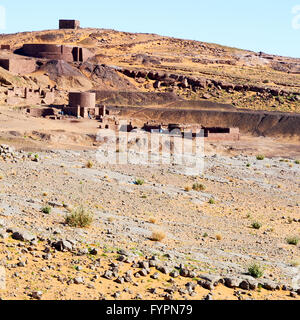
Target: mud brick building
point(18, 66)
point(69, 24)
point(83, 104)
point(17, 95)
point(56, 52)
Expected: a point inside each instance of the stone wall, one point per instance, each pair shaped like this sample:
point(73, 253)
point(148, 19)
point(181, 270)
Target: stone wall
point(56, 52)
point(18, 66)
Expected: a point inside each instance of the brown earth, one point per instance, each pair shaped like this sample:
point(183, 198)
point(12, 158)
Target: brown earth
point(256, 79)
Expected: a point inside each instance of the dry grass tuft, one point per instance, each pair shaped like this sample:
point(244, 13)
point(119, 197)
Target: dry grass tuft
point(158, 235)
point(79, 218)
point(153, 220)
point(89, 164)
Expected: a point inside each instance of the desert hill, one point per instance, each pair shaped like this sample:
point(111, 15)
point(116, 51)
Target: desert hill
point(152, 63)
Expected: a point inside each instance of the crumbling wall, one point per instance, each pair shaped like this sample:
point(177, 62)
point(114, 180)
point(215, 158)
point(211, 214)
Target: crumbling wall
point(18, 66)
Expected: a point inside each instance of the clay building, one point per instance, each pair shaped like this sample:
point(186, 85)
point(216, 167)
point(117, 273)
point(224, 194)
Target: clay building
point(55, 52)
point(21, 95)
point(5, 47)
point(18, 66)
point(69, 24)
point(83, 104)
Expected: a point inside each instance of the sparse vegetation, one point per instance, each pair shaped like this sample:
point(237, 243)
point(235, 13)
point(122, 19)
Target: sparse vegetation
point(211, 201)
point(89, 164)
point(293, 240)
point(158, 235)
point(256, 225)
point(297, 161)
point(46, 210)
point(199, 187)
point(139, 182)
point(255, 271)
point(218, 237)
point(79, 218)
point(187, 189)
point(260, 157)
point(153, 220)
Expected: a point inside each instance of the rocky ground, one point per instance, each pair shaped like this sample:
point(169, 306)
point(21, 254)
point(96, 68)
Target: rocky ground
point(245, 212)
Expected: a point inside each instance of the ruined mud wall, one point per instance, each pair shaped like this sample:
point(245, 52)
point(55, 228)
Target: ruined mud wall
point(18, 66)
point(55, 52)
point(269, 124)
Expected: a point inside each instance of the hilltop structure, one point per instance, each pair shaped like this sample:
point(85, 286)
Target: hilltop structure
point(69, 24)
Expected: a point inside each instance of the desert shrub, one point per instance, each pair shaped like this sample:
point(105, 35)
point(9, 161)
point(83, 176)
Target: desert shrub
point(199, 187)
point(211, 201)
point(46, 210)
point(153, 220)
point(256, 225)
point(187, 189)
point(79, 218)
point(139, 182)
point(260, 157)
point(158, 235)
point(255, 271)
point(297, 161)
point(218, 237)
point(89, 164)
point(293, 240)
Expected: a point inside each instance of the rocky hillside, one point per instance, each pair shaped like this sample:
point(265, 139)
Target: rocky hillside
point(191, 69)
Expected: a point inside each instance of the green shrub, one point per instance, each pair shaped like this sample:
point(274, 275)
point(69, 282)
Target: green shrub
point(297, 161)
point(211, 201)
point(79, 218)
point(199, 187)
point(46, 210)
point(139, 182)
point(255, 271)
point(256, 225)
point(260, 157)
point(293, 240)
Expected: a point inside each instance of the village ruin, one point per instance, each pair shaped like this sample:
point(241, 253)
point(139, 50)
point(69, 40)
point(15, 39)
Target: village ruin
point(82, 105)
